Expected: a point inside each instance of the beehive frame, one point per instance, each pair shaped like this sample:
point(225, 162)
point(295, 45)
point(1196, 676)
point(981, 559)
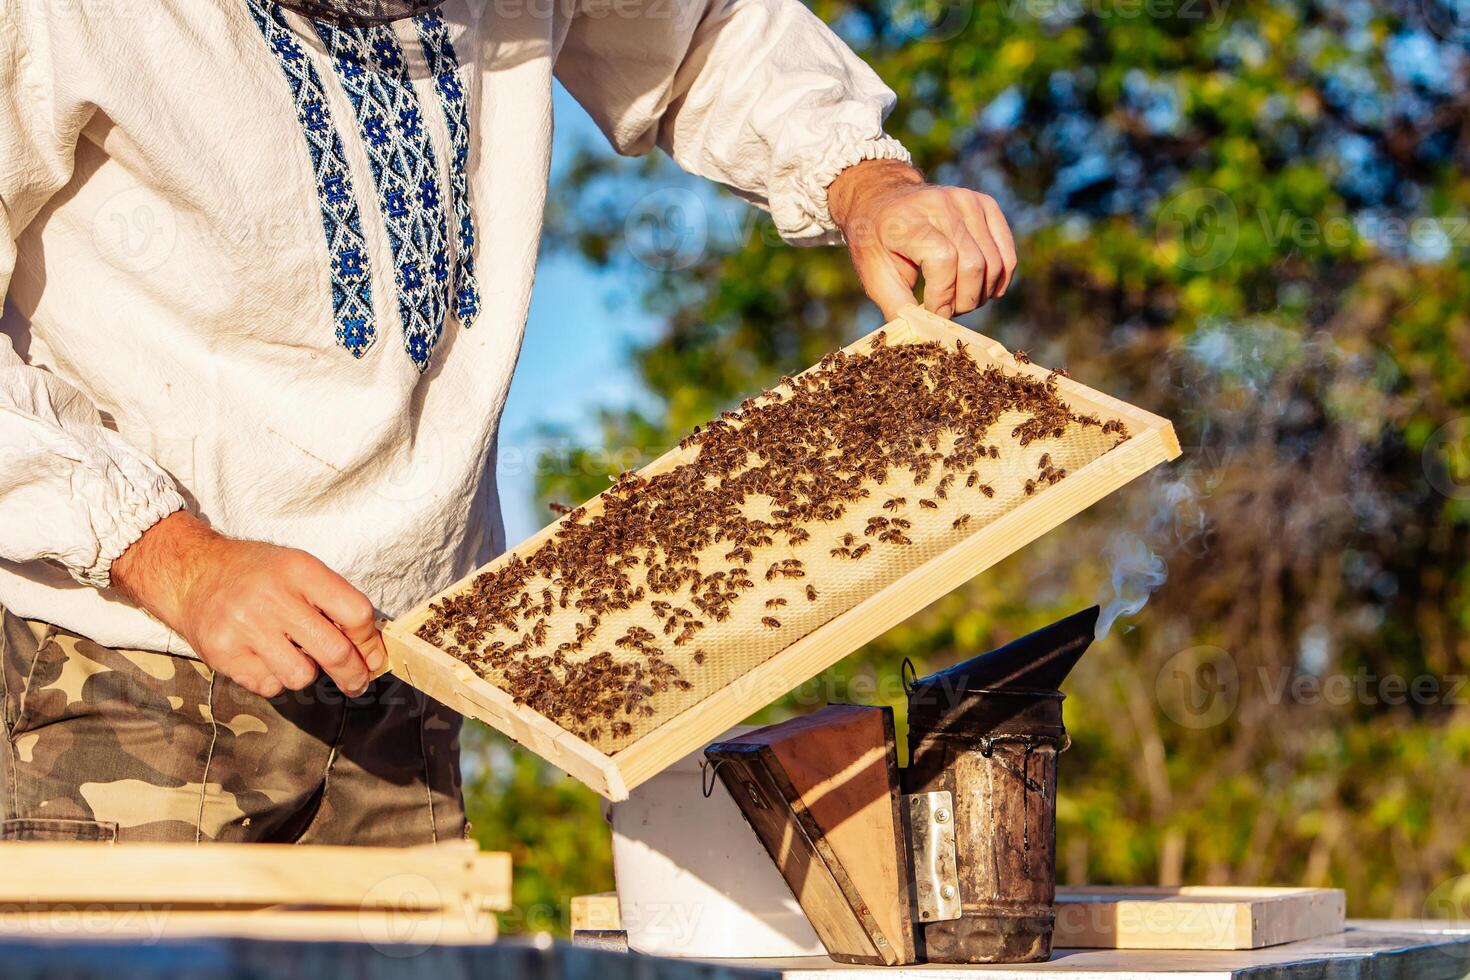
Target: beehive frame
point(1151, 441)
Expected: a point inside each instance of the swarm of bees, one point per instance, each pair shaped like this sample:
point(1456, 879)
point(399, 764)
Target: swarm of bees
point(893, 416)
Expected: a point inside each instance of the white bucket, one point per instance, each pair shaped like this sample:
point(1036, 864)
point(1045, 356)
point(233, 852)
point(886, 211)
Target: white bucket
point(694, 880)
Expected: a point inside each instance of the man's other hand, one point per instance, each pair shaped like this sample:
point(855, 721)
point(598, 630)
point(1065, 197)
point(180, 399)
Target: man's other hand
point(897, 226)
point(264, 616)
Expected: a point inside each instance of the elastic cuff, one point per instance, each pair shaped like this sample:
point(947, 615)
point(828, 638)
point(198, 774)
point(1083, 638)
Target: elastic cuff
point(126, 529)
point(816, 226)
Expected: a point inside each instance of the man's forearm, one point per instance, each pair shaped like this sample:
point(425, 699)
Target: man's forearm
point(157, 570)
point(864, 180)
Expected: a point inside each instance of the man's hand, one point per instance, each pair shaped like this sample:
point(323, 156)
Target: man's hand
point(898, 226)
point(263, 615)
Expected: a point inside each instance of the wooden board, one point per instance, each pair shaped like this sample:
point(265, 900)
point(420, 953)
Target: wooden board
point(1106, 917)
point(1194, 917)
point(153, 922)
point(821, 793)
point(596, 913)
point(448, 893)
point(447, 679)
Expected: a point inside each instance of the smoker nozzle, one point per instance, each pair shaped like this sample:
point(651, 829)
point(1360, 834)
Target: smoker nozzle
point(1038, 661)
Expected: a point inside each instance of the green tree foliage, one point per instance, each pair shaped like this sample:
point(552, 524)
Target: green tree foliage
point(1251, 217)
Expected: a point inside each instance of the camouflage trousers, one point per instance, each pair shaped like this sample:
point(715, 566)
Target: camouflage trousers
point(127, 745)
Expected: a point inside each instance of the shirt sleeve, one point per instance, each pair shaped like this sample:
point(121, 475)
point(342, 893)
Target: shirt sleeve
point(759, 95)
point(71, 490)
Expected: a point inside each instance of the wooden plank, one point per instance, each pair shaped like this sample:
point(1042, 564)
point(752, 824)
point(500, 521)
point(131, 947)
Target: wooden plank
point(448, 876)
point(827, 811)
point(596, 913)
point(1194, 917)
point(395, 927)
point(450, 681)
point(1152, 442)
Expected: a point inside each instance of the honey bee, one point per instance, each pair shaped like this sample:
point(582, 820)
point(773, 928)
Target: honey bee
point(771, 622)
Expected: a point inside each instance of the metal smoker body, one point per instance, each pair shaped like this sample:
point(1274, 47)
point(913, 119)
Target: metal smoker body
point(988, 731)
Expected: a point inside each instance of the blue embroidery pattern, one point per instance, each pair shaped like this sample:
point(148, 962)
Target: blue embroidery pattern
point(352, 303)
point(444, 64)
point(370, 65)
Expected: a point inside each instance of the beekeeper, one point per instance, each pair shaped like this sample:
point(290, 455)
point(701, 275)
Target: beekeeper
point(265, 270)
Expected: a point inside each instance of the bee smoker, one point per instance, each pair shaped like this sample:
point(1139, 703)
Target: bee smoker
point(988, 732)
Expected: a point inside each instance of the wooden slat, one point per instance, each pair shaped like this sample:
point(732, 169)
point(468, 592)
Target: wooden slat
point(450, 681)
point(1194, 917)
point(1121, 917)
point(598, 913)
point(155, 922)
point(442, 676)
point(449, 876)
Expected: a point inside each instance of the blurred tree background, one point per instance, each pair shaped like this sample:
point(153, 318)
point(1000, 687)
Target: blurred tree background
point(1250, 216)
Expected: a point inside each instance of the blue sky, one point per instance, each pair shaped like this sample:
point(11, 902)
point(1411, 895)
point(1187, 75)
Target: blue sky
point(574, 361)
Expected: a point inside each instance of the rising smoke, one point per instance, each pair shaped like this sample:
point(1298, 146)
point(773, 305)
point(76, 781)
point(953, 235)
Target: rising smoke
point(1136, 563)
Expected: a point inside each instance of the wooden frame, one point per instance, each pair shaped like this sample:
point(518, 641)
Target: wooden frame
point(420, 895)
point(441, 676)
point(1123, 917)
point(1194, 916)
